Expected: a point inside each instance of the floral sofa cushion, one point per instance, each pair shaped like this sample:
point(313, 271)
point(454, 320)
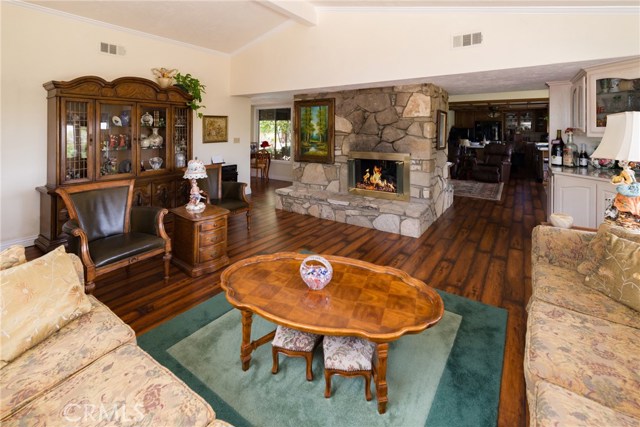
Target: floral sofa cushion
point(559, 246)
point(124, 387)
point(12, 256)
point(79, 343)
point(565, 287)
point(37, 298)
point(347, 353)
point(618, 272)
point(556, 406)
point(292, 339)
point(598, 244)
point(586, 355)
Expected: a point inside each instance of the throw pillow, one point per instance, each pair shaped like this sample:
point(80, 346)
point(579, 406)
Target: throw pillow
point(597, 244)
point(37, 299)
point(12, 256)
point(618, 273)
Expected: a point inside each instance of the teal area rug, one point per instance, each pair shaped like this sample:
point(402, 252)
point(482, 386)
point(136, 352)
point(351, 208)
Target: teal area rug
point(449, 375)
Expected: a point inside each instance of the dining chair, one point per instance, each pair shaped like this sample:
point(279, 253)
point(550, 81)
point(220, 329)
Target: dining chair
point(348, 357)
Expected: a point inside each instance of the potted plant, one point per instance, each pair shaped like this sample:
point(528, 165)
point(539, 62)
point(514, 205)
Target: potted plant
point(194, 88)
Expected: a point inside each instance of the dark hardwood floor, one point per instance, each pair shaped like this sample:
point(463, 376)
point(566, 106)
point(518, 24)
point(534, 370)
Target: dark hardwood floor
point(478, 249)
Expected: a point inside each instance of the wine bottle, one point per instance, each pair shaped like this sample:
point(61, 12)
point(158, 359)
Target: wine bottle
point(557, 149)
point(570, 153)
point(584, 159)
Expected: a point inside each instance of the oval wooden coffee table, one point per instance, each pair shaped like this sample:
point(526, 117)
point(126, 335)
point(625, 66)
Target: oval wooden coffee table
point(377, 303)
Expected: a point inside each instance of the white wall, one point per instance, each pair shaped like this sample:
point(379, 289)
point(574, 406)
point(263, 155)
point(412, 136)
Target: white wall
point(367, 47)
point(38, 47)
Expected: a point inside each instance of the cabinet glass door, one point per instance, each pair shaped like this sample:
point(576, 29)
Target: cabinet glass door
point(116, 156)
point(153, 139)
point(615, 96)
point(76, 141)
point(180, 136)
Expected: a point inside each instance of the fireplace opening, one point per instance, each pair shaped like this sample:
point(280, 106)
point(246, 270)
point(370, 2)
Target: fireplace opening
point(383, 175)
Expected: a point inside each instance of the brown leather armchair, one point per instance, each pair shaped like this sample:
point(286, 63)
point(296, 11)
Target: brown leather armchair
point(110, 232)
point(225, 194)
point(496, 166)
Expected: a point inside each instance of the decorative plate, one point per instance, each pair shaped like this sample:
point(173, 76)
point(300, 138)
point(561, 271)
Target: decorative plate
point(116, 121)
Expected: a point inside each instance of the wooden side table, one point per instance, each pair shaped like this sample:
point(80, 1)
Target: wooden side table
point(200, 240)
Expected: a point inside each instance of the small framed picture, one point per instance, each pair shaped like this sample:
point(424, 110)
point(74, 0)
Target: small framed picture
point(313, 127)
point(215, 129)
point(441, 134)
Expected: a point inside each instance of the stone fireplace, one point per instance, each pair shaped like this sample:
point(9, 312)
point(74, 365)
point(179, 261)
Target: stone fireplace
point(382, 175)
point(398, 123)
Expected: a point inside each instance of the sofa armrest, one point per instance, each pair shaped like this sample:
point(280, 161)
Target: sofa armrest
point(559, 246)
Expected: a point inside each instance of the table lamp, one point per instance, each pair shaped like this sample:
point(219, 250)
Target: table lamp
point(195, 170)
point(621, 142)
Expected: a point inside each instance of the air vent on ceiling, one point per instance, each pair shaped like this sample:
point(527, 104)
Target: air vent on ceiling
point(470, 39)
point(111, 49)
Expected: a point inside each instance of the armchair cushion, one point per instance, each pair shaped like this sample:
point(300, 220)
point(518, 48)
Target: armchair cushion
point(144, 219)
point(33, 308)
point(121, 246)
point(101, 213)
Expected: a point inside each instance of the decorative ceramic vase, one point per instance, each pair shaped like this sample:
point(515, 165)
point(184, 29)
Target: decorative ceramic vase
point(155, 138)
point(145, 142)
point(125, 118)
point(181, 160)
point(316, 276)
point(164, 82)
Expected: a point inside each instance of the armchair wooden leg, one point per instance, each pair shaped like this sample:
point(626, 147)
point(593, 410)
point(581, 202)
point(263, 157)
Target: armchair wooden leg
point(167, 265)
point(89, 287)
point(249, 220)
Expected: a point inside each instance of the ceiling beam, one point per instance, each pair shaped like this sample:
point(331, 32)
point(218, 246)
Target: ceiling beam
point(300, 11)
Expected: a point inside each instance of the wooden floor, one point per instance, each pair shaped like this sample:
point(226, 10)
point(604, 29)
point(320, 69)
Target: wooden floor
point(478, 249)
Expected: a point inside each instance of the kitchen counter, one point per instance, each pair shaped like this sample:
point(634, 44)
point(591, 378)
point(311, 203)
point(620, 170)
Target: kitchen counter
point(588, 172)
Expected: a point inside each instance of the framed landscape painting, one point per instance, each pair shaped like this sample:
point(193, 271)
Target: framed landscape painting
point(313, 128)
point(441, 135)
point(214, 129)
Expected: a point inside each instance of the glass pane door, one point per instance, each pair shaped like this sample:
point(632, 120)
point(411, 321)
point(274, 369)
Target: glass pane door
point(153, 139)
point(180, 135)
point(615, 96)
point(115, 143)
point(76, 141)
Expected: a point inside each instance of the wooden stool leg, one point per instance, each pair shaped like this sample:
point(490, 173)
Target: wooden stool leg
point(367, 387)
point(309, 358)
point(275, 368)
point(327, 381)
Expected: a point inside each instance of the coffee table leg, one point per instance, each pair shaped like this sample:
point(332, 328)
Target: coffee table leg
point(381, 376)
point(246, 348)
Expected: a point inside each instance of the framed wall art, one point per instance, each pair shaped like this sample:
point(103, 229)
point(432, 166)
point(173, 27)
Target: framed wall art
point(441, 133)
point(313, 128)
point(215, 129)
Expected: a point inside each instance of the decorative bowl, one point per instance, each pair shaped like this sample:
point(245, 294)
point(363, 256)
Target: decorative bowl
point(155, 162)
point(316, 272)
point(561, 220)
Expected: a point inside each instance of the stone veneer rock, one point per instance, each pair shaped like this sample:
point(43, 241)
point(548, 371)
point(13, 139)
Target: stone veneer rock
point(399, 119)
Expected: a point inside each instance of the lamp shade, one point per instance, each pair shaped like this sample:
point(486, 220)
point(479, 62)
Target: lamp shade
point(621, 140)
point(195, 170)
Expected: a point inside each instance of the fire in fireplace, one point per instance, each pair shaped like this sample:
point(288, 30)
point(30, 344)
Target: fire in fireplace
point(383, 175)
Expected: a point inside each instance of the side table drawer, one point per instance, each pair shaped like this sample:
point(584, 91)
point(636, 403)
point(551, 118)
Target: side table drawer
point(212, 237)
point(212, 225)
point(211, 252)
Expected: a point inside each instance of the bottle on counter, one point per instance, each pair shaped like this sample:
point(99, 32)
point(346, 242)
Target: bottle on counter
point(570, 153)
point(557, 149)
point(583, 160)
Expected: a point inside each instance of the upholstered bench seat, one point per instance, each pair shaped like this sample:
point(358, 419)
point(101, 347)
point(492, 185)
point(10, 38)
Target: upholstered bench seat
point(294, 343)
point(348, 356)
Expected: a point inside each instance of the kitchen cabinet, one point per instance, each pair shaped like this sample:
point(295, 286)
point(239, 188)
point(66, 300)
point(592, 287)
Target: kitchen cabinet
point(582, 193)
point(100, 130)
point(578, 103)
point(611, 88)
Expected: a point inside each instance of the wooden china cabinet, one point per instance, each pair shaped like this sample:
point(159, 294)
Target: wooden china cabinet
point(99, 130)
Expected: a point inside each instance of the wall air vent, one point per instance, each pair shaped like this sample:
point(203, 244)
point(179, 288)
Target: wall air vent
point(111, 49)
point(465, 40)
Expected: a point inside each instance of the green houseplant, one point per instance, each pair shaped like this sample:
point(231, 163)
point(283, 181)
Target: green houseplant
point(194, 88)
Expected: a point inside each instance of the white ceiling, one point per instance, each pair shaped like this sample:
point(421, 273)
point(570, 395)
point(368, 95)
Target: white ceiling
point(229, 25)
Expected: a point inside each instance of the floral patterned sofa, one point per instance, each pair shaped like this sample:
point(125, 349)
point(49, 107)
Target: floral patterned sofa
point(66, 359)
point(582, 354)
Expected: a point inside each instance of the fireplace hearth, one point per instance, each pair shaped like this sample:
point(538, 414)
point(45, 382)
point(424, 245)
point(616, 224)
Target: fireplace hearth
point(382, 175)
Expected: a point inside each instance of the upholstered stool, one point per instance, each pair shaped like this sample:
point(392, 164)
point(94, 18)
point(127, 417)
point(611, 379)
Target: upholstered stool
point(296, 344)
point(349, 357)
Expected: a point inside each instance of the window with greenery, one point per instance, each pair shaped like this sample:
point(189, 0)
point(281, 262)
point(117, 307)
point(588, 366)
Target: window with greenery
point(275, 127)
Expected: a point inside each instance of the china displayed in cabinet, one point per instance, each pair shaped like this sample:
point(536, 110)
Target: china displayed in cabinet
point(100, 130)
point(611, 88)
